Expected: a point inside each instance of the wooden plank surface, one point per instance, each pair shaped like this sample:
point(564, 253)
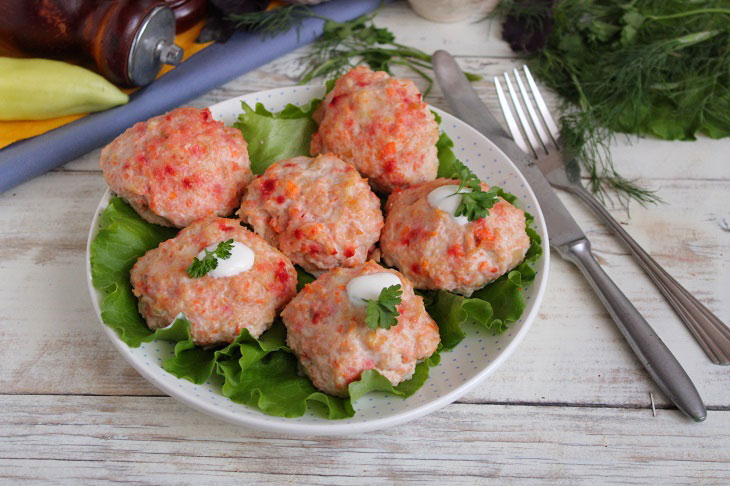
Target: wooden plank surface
point(571, 406)
point(155, 440)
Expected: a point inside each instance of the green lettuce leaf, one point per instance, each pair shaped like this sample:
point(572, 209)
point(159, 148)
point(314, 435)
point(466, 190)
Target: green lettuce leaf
point(371, 381)
point(303, 277)
point(263, 373)
point(445, 147)
point(122, 238)
point(188, 361)
point(276, 136)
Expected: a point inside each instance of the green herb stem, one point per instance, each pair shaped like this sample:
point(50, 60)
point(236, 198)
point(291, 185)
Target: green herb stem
point(694, 38)
point(416, 70)
point(699, 11)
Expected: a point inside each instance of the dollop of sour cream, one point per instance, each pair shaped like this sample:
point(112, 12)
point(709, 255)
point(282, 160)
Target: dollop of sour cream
point(369, 287)
point(241, 259)
point(447, 199)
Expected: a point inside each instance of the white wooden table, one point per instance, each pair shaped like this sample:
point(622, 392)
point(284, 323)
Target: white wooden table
point(570, 406)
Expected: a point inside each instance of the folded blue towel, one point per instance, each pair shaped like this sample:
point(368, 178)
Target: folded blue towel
point(202, 72)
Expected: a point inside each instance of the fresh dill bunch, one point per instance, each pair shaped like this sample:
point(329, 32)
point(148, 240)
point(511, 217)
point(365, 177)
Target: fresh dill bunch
point(273, 22)
point(646, 67)
point(342, 45)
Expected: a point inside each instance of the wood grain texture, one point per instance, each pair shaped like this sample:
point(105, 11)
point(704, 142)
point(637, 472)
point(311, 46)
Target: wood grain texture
point(571, 406)
point(65, 439)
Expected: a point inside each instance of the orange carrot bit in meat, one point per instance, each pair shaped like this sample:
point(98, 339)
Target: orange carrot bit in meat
point(274, 223)
point(291, 189)
point(483, 233)
point(390, 148)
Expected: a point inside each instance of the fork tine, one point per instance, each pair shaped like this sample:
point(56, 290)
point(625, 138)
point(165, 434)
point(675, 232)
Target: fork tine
point(521, 116)
point(549, 121)
point(509, 118)
point(544, 137)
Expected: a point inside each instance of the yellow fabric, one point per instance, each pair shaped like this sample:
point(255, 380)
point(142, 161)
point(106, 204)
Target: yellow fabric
point(12, 131)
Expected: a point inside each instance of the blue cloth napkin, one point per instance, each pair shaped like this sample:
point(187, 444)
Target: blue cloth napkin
point(202, 72)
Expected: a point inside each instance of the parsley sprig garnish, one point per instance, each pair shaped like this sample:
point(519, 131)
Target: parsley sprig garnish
point(382, 312)
point(201, 267)
point(475, 204)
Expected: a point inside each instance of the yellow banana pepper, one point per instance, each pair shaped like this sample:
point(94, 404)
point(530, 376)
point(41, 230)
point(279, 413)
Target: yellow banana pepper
point(37, 89)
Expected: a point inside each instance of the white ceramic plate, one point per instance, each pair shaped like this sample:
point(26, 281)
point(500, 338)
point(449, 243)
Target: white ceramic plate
point(475, 358)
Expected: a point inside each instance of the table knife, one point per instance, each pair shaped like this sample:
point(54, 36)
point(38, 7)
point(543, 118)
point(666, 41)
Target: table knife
point(567, 238)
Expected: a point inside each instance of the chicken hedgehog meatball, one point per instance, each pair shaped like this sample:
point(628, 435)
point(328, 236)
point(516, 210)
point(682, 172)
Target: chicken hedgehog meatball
point(318, 211)
point(176, 168)
point(381, 126)
point(218, 307)
point(439, 251)
point(328, 334)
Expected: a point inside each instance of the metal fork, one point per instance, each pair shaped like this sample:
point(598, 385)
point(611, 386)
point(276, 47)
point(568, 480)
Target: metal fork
point(711, 334)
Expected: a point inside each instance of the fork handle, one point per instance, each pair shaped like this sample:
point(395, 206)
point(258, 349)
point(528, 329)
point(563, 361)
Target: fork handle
point(648, 347)
point(711, 334)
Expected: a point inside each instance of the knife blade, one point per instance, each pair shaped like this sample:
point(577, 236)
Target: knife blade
point(569, 240)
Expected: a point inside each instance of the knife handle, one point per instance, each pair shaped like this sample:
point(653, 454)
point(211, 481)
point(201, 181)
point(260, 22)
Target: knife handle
point(648, 347)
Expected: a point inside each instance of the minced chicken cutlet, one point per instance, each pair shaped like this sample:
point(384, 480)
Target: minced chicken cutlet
point(333, 343)
point(217, 307)
point(380, 125)
point(319, 211)
point(179, 167)
point(436, 252)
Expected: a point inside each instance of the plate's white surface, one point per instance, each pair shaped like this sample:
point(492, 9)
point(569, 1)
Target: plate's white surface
point(475, 358)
